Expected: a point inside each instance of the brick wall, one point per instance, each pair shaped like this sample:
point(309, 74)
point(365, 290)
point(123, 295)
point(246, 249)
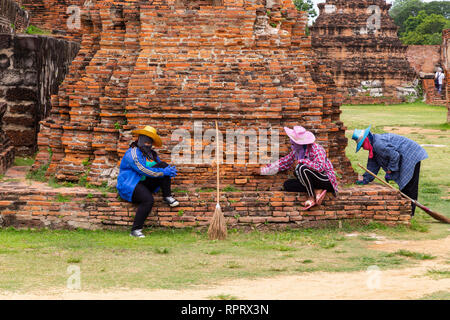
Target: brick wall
point(424, 58)
point(40, 206)
point(148, 64)
point(31, 68)
point(54, 15)
point(367, 60)
point(446, 65)
point(6, 148)
point(12, 17)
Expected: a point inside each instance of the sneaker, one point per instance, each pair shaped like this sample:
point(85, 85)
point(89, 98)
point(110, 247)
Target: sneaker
point(171, 201)
point(137, 233)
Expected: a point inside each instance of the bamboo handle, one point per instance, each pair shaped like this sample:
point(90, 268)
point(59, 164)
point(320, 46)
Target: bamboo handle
point(385, 183)
point(217, 160)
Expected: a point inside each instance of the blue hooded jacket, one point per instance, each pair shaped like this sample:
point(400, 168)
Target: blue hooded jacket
point(397, 154)
point(132, 169)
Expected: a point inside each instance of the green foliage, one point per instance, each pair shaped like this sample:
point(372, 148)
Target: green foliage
point(421, 22)
point(61, 198)
point(306, 5)
point(424, 29)
point(35, 30)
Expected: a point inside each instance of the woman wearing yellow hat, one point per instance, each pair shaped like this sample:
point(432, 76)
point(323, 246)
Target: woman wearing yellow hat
point(141, 174)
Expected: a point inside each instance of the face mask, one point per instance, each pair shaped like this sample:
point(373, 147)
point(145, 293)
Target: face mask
point(367, 146)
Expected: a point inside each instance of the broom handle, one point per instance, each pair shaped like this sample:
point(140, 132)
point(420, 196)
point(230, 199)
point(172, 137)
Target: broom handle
point(387, 184)
point(435, 215)
point(217, 160)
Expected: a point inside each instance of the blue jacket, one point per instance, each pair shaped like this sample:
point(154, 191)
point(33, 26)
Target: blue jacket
point(132, 169)
point(397, 154)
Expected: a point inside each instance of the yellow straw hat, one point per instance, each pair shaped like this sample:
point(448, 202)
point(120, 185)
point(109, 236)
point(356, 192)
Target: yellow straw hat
point(150, 132)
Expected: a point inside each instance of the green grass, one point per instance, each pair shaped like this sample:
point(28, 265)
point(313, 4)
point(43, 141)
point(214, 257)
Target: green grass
point(414, 255)
point(174, 258)
point(438, 295)
point(23, 161)
point(438, 274)
point(223, 297)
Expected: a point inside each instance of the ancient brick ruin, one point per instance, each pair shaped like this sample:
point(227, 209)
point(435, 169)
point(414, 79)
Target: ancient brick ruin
point(358, 42)
point(249, 65)
point(12, 17)
point(6, 148)
point(162, 71)
point(446, 64)
point(31, 69)
point(60, 17)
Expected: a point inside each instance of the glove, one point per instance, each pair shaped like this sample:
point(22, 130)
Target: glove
point(361, 182)
point(387, 177)
point(170, 171)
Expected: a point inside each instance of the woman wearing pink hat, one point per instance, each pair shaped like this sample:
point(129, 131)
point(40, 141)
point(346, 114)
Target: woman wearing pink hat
point(314, 172)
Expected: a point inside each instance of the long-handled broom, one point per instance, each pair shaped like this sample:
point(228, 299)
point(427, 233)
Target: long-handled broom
point(218, 227)
point(435, 215)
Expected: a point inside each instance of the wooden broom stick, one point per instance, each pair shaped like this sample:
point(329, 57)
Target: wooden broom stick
point(218, 227)
point(435, 215)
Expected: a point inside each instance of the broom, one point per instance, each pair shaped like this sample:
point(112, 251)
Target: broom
point(435, 215)
point(218, 227)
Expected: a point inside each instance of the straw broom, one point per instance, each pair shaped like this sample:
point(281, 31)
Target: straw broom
point(218, 227)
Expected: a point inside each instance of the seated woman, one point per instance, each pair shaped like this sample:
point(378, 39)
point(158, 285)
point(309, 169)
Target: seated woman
point(314, 172)
point(141, 174)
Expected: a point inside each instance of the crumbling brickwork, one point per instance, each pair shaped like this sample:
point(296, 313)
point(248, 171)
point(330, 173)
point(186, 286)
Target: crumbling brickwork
point(13, 18)
point(31, 69)
point(38, 206)
point(358, 42)
point(58, 16)
point(246, 64)
point(6, 148)
point(446, 64)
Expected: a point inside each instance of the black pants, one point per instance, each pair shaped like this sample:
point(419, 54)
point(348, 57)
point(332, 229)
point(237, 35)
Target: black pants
point(143, 195)
point(307, 180)
point(412, 188)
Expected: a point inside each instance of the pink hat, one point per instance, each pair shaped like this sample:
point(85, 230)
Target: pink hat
point(300, 135)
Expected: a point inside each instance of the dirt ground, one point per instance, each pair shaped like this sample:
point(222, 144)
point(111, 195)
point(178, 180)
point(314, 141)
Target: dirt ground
point(410, 283)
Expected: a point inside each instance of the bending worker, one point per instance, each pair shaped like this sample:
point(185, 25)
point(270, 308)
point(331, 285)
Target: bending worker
point(398, 156)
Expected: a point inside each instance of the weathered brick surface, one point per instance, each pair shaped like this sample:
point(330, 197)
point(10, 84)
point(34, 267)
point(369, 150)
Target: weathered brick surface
point(424, 58)
point(368, 64)
point(41, 206)
point(54, 16)
point(31, 69)
point(446, 63)
point(151, 64)
point(6, 148)
point(12, 17)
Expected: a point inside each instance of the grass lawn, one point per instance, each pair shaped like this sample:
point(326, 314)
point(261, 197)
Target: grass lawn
point(38, 259)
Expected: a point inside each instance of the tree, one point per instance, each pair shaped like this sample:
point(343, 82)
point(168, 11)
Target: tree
point(424, 28)
point(403, 9)
point(306, 5)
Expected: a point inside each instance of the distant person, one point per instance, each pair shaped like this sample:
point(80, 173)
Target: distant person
point(141, 174)
point(399, 157)
point(439, 80)
point(313, 171)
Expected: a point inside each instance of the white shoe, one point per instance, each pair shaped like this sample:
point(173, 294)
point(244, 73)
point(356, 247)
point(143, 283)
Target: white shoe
point(171, 201)
point(137, 233)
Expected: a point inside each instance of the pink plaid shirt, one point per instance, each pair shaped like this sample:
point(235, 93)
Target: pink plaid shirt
point(315, 158)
